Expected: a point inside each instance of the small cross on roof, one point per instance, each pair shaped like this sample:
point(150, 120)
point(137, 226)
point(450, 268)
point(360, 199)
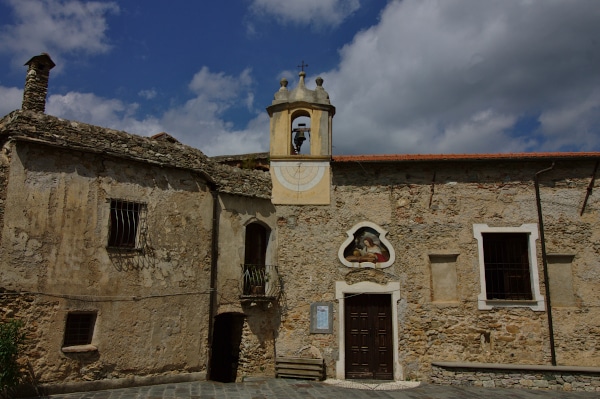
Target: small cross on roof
point(302, 66)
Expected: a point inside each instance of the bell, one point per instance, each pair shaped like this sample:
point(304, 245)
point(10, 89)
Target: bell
point(299, 138)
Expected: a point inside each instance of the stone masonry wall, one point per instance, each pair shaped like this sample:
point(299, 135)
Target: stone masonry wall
point(261, 319)
point(35, 312)
point(151, 303)
point(527, 379)
point(430, 209)
point(4, 171)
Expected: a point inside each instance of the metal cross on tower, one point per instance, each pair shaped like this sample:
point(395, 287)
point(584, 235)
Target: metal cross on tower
point(302, 66)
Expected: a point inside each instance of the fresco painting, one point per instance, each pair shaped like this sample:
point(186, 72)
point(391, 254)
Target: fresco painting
point(366, 247)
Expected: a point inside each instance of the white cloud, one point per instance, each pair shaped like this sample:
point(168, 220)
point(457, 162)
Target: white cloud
point(430, 77)
point(57, 27)
point(480, 133)
point(147, 94)
point(112, 113)
point(307, 12)
point(198, 122)
point(218, 86)
point(573, 124)
point(254, 138)
point(422, 77)
point(11, 99)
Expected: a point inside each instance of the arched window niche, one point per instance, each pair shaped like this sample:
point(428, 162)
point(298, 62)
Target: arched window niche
point(300, 139)
point(254, 268)
point(367, 247)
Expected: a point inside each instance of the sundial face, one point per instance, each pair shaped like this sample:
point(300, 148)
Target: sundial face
point(300, 176)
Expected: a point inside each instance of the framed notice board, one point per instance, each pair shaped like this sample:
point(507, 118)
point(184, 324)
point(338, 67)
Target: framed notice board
point(321, 318)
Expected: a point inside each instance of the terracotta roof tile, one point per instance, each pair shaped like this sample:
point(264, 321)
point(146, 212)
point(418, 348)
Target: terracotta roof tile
point(521, 156)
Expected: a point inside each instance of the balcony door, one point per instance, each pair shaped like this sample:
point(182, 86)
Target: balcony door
point(254, 259)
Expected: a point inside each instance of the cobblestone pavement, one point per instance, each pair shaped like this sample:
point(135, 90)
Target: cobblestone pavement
point(271, 388)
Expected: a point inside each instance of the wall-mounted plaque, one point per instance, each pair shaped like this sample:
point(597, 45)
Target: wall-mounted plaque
point(321, 318)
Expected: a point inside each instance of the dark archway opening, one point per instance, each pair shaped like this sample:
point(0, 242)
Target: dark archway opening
point(227, 338)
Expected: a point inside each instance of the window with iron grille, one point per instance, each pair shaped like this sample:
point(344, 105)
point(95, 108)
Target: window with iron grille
point(127, 219)
point(508, 267)
point(79, 328)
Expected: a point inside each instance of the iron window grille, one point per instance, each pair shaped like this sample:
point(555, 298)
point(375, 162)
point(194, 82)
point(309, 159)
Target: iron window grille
point(260, 281)
point(79, 328)
point(127, 224)
point(507, 266)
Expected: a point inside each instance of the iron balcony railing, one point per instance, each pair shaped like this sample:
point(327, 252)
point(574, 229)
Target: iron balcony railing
point(260, 282)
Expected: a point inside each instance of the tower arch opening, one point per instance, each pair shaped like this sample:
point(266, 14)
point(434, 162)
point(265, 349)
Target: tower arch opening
point(300, 133)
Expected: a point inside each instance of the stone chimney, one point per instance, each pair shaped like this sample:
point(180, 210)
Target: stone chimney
point(36, 83)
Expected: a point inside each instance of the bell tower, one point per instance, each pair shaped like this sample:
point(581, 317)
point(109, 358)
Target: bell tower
point(300, 171)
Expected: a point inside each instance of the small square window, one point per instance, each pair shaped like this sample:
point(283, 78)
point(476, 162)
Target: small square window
point(79, 328)
point(126, 218)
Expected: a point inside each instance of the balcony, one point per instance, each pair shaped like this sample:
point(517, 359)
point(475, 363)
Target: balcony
point(259, 283)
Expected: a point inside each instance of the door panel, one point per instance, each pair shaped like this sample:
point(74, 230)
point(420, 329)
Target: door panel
point(368, 319)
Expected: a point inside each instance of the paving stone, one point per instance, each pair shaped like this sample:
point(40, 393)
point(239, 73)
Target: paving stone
point(271, 388)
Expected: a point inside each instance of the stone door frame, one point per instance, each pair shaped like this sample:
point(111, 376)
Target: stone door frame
point(365, 287)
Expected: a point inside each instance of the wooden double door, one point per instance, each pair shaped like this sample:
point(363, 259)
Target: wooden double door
point(368, 329)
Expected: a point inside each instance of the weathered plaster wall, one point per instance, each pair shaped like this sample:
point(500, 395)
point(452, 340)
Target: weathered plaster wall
point(429, 209)
point(235, 214)
point(261, 320)
point(152, 305)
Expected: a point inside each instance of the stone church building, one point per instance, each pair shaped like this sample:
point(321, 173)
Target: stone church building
point(137, 259)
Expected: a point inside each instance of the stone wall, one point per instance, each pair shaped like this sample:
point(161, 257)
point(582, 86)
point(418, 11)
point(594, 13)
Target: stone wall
point(257, 350)
point(429, 210)
point(151, 303)
point(262, 320)
point(36, 312)
point(538, 378)
point(58, 178)
point(4, 171)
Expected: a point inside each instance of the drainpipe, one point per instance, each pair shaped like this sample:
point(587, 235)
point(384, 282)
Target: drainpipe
point(545, 262)
point(214, 259)
point(589, 189)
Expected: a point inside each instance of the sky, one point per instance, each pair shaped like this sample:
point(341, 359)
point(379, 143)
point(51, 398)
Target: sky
point(406, 77)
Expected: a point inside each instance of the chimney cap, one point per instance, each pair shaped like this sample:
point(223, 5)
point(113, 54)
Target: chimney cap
point(43, 59)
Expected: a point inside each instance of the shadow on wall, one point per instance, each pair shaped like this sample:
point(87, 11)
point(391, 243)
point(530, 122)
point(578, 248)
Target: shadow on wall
point(264, 320)
point(124, 261)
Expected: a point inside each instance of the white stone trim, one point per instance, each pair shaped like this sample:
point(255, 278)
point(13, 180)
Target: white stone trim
point(366, 287)
point(382, 237)
point(537, 303)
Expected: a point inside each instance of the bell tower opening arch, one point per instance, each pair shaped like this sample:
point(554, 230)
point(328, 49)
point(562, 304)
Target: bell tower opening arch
point(300, 137)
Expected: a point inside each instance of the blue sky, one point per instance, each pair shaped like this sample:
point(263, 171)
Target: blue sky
point(411, 76)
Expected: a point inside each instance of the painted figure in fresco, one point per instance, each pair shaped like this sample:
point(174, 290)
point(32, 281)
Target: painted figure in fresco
point(367, 248)
point(373, 251)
